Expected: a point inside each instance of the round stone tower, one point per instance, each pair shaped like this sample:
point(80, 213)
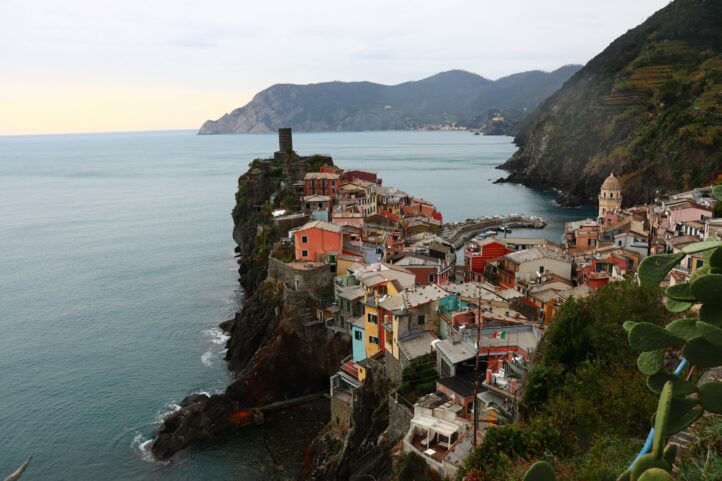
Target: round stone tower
point(610, 197)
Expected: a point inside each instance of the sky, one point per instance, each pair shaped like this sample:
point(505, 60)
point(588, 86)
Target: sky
point(107, 65)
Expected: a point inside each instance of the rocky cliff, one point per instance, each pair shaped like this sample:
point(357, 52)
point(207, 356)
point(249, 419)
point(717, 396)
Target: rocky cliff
point(648, 108)
point(273, 350)
point(454, 96)
point(363, 452)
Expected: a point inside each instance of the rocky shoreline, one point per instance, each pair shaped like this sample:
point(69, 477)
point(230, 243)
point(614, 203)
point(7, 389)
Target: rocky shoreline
point(273, 352)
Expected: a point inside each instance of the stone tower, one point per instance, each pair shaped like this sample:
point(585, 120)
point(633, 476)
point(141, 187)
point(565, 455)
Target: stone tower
point(285, 139)
point(610, 197)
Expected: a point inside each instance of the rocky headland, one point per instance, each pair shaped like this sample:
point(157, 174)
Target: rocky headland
point(275, 350)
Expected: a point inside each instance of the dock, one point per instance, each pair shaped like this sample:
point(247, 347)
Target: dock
point(457, 233)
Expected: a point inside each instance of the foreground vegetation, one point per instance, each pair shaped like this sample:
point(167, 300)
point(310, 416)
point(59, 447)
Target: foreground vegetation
point(583, 408)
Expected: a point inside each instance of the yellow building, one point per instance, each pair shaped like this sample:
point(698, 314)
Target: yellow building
point(380, 281)
point(610, 196)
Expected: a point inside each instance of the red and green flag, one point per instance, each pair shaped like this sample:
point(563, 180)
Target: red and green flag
point(499, 335)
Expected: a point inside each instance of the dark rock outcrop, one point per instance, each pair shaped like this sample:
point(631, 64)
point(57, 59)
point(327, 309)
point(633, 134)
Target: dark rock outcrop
point(200, 418)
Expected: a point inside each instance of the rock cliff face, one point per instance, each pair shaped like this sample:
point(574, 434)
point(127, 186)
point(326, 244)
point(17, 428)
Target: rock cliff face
point(363, 451)
point(647, 108)
point(274, 351)
point(453, 96)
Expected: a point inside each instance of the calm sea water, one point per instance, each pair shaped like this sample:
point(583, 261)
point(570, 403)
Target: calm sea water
point(116, 264)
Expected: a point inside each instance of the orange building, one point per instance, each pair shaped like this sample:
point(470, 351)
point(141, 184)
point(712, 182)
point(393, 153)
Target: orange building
point(318, 241)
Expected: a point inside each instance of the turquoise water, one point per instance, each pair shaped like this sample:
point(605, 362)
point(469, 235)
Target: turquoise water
point(116, 264)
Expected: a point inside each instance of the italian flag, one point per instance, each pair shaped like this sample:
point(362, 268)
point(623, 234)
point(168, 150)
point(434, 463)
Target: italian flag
point(499, 335)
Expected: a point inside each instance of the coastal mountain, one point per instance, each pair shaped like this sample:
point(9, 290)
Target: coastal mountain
point(453, 96)
point(648, 108)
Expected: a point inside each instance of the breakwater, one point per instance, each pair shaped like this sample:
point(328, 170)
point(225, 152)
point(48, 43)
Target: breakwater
point(457, 233)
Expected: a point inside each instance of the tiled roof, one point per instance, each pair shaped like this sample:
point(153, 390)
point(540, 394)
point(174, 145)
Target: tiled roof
point(321, 175)
point(537, 253)
point(319, 224)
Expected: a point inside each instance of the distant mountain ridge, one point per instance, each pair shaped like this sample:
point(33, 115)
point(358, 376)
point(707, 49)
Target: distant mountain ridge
point(648, 108)
point(453, 96)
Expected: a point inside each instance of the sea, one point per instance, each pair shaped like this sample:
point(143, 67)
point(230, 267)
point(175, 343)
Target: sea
point(117, 264)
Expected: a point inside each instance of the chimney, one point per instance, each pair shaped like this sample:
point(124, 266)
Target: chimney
point(285, 139)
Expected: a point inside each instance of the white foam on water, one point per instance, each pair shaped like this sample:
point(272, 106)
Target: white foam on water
point(170, 408)
point(142, 447)
point(207, 358)
point(216, 336)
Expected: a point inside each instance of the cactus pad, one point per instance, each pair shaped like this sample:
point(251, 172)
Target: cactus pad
point(702, 353)
point(662, 416)
point(711, 313)
point(673, 305)
point(712, 334)
point(707, 288)
point(670, 453)
point(648, 461)
point(685, 328)
point(540, 471)
point(715, 258)
point(680, 388)
point(681, 292)
point(701, 246)
point(656, 474)
point(717, 192)
point(710, 395)
point(628, 325)
point(653, 269)
point(683, 413)
point(651, 362)
point(645, 336)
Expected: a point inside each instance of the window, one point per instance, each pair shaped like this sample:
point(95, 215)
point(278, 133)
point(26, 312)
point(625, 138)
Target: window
point(373, 318)
point(304, 253)
point(373, 340)
point(431, 278)
point(358, 335)
point(421, 320)
point(308, 206)
point(304, 239)
point(541, 269)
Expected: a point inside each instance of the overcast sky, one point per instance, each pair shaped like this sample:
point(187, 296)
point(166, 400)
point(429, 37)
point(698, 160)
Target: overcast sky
point(107, 65)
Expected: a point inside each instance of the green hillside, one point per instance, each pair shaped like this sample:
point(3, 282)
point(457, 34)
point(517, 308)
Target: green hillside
point(648, 108)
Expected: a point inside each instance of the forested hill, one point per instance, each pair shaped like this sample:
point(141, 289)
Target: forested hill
point(453, 96)
point(648, 108)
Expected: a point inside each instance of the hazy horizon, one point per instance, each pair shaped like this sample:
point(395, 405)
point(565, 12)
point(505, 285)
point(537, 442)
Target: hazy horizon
point(81, 66)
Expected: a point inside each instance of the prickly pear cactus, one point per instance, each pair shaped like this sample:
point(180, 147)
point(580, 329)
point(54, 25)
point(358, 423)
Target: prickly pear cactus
point(697, 339)
point(653, 269)
point(655, 474)
point(540, 471)
point(645, 336)
point(710, 396)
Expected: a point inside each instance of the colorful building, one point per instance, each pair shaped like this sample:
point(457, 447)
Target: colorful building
point(321, 183)
point(318, 241)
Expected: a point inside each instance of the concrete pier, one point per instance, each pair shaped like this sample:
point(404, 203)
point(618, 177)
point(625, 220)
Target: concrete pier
point(457, 233)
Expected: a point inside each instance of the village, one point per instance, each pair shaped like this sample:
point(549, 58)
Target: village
point(454, 338)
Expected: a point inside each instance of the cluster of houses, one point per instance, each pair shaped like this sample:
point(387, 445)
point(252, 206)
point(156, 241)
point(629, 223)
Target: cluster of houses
point(388, 283)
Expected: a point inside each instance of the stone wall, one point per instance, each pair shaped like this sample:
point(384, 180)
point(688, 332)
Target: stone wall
point(392, 368)
point(399, 419)
point(315, 279)
point(340, 414)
